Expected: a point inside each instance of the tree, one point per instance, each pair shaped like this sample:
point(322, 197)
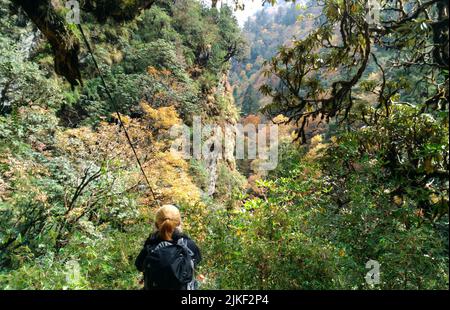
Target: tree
point(410, 37)
point(230, 35)
point(199, 32)
point(65, 45)
point(384, 84)
point(250, 103)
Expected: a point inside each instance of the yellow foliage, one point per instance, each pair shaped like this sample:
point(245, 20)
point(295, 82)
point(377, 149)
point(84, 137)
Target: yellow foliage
point(280, 119)
point(434, 198)
point(77, 141)
point(167, 173)
point(316, 147)
point(172, 181)
point(116, 55)
point(428, 165)
point(161, 118)
point(316, 140)
point(126, 120)
point(398, 200)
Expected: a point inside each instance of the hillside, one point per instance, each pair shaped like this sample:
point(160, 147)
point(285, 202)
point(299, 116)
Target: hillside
point(265, 32)
point(70, 186)
point(147, 102)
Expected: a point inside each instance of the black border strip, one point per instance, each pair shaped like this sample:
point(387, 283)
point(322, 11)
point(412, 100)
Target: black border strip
point(174, 299)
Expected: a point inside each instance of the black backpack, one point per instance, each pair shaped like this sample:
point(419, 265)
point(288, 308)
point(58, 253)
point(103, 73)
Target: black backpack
point(169, 265)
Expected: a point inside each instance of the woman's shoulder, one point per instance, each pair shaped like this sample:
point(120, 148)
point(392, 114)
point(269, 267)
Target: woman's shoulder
point(155, 239)
point(152, 239)
point(190, 244)
point(178, 235)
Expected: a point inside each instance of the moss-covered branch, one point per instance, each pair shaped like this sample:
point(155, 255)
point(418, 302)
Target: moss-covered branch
point(64, 44)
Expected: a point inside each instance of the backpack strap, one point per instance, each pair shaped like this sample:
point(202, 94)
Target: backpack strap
point(193, 285)
point(161, 245)
point(183, 243)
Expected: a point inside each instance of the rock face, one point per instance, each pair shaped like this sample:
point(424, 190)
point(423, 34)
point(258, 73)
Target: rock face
point(222, 141)
point(229, 129)
point(211, 160)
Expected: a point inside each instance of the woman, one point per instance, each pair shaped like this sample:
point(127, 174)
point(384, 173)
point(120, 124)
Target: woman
point(168, 233)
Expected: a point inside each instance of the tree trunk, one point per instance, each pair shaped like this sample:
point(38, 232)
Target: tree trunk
point(64, 44)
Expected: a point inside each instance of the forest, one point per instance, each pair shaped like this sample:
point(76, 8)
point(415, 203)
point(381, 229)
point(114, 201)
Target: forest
point(360, 97)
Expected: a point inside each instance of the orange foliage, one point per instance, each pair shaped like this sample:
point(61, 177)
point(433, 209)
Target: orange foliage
point(155, 72)
point(252, 119)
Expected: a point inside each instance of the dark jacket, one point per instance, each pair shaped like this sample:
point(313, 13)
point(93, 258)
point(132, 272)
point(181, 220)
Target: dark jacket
point(154, 239)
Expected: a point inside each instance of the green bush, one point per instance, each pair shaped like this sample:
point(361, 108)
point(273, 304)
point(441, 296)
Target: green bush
point(297, 235)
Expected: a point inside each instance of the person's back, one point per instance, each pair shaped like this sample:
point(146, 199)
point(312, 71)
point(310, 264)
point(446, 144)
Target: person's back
point(168, 257)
